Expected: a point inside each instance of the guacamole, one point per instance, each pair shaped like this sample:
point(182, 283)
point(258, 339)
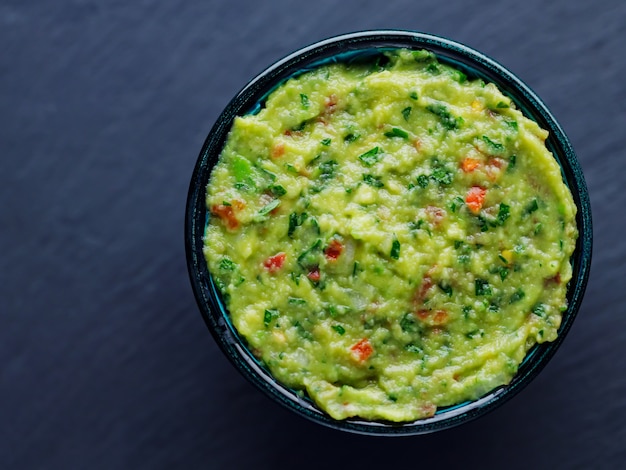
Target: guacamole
point(389, 236)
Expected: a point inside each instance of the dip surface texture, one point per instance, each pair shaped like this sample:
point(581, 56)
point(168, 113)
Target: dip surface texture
point(390, 237)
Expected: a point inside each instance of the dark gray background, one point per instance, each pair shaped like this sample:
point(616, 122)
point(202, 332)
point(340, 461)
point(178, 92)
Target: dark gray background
point(105, 360)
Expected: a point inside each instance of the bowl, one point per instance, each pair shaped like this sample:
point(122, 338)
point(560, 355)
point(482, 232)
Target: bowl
point(347, 47)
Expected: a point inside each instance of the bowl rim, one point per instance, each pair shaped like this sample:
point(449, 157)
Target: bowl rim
point(461, 56)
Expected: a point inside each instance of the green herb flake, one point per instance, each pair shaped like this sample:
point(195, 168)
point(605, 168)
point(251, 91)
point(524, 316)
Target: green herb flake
point(413, 95)
point(448, 121)
point(227, 265)
point(268, 316)
point(269, 207)
point(539, 310)
point(442, 175)
point(407, 323)
point(406, 112)
point(412, 348)
point(513, 125)
point(422, 181)
point(371, 156)
point(503, 213)
point(482, 287)
point(326, 142)
point(531, 207)
point(277, 190)
point(446, 288)
point(296, 301)
point(395, 249)
point(503, 259)
point(327, 169)
point(502, 105)
point(295, 221)
point(518, 295)
point(339, 329)
point(355, 268)
point(493, 146)
point(512, 161)
point(351, 137)
point(374, 181)
point(304, 100)
point(397, 132)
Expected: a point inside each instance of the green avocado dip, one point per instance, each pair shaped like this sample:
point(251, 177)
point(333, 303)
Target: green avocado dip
point(390, 237)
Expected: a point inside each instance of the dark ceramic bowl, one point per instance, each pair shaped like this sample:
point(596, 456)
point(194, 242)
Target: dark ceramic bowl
point(344, 48)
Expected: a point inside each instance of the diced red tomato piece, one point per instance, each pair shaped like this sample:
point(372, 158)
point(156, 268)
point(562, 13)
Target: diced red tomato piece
point(427, 284)
point(314, 274)
point(436, 318)
point(227, 214)
point(333, 250)
point(469, 164)
point(274, 263)
point(278, 150)
point(475, 198)
point(362, 350)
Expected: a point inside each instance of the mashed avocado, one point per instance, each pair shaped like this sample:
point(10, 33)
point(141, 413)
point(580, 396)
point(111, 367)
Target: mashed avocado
point(390, 237)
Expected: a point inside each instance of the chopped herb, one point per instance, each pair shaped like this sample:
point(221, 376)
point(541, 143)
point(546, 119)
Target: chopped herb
point(242, 186)
point(406, 112)
point(448, 121)
point(466, 311)
point(291, 168)
point(538, 228)
point(531, 207)
point(355, 268)
point(413, 95)
point(412, 348)
point(458, 244)
point(512, 161)
point(300, 126)
point(277, 190)
point(482, 223)
point(502, 104)
point(503, 259)
point(518, 295)
point(315, 225)
point(266, 209)
point(423, 56)
point(339, 329)
point(226, 203)
point(482, 287)
point(407, 323)
point(296, 301)
point(442, 175)
point(512, 124)
point(446, 288)
point(503, 213)
point(327, 169)
point(422, 181)
point(371, 156)
point(304, 100)
point(351, 137)
point(295, 278)
point(268, 316)
point(504, 272)
point(397, 132)
point(295, 221)
point(374, 181)
point(539, 310)
point(227, 265)
point(493, 146)
point(464, 258)
point(326, 142)
point(561, 245)
point(395, 249)
point(493, 307)
point(433, 68)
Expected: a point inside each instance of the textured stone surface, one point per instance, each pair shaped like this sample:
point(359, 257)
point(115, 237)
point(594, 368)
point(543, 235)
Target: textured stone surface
point(105, 360)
